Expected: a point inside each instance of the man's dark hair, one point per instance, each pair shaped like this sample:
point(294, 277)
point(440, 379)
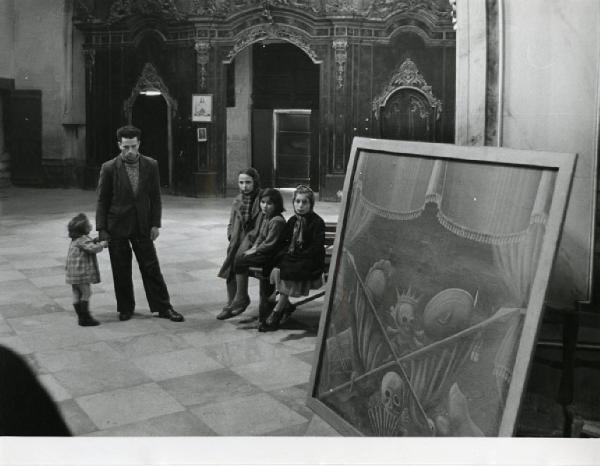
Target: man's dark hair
point(276, 198)
point(129, 132)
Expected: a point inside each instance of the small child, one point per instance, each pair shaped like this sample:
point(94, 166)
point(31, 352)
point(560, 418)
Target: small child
point(82, 267)
point(244, 212)
point(259, 246)
point(302, 258)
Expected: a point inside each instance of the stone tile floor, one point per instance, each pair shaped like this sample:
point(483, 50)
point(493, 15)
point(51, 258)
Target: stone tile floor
point(149, 376)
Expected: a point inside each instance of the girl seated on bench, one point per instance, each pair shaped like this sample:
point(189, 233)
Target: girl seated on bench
point(301, 260)
point(244, 212)
point(259, 246)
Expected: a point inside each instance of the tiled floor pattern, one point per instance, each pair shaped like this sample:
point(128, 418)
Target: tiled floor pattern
point(149, 376)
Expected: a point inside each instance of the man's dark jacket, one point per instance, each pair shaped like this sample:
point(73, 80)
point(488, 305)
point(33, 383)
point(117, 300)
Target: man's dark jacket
point(120, 212)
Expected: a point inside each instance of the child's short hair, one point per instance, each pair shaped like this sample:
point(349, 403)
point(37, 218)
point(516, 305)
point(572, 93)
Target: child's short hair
point(276, 198)
point(252, 173)
point(77, 226)
point(303, 189)
point(129, 132)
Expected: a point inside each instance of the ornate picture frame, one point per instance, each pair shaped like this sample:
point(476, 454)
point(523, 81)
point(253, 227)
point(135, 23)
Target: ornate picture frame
point(437, 283)
point(202, 108)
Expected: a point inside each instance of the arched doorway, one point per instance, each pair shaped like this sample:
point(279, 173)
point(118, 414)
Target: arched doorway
point(149, 113)
point(285, 115)
point(273, 88)
point(151, 107)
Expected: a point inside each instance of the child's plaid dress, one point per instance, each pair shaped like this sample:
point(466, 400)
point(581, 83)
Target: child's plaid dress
point(82, 265)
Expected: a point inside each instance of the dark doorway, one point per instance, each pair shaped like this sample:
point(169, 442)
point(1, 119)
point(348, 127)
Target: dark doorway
point(285, 89)
point(150, 115)
point(25, 137)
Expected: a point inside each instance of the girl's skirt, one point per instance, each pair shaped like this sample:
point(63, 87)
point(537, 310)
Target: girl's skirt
point(293, 288)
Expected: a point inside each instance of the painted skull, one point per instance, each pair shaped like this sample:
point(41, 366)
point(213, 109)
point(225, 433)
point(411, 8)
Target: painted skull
point(391, 392)
point(403, 312)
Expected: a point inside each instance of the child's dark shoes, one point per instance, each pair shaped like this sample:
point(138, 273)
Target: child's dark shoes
point(84, 318)
point(287, 313)
point(237, 307)
point(273, 319)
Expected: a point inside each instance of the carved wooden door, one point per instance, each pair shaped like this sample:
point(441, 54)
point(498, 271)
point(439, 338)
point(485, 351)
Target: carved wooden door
point(25, 133)
point(408, 115)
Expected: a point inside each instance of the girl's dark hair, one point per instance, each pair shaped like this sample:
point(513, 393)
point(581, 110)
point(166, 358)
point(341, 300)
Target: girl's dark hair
point(252, 173)
point(276, 198)
point(77, 226)
point(129, 132)
point(302, 189)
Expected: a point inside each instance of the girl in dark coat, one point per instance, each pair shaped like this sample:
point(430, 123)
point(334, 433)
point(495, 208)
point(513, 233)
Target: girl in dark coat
point(244, 212)
point(259, 246)
point(301, 259)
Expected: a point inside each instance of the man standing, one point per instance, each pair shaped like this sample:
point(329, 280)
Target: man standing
point(128, 214)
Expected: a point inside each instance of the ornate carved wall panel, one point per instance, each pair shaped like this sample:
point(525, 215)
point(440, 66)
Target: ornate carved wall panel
point(357, 45)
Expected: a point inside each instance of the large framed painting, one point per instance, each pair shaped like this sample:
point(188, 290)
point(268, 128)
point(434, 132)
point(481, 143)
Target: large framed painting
point(436, 288)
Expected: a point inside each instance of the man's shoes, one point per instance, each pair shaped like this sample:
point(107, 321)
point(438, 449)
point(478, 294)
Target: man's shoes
point(171, 314)
point(225, 314)
point(125, 316)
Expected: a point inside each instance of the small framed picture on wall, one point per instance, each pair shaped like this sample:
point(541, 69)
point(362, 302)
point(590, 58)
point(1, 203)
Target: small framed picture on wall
point(202, 107)
point(201, 133)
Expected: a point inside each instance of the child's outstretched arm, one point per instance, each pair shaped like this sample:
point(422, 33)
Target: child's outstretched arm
point(91, 247)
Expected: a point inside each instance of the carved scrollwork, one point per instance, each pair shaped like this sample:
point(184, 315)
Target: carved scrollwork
point(340, 47)
point(407, 75)
point(89, 57)
point(341, 7)
point(202, 47)
point(439, 10)
point(453, 13)
point(271, 31)
point(217, 8)
point(149, 80)
point(163, 8)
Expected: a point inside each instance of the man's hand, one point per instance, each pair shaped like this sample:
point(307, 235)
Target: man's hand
point(103, 235)
point(154, 233)
point(252, 250)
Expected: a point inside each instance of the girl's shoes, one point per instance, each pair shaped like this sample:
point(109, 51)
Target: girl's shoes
point(84, 318)
point(273, 319)
point(237, 307)
point(225, 312)
point(287, 313)
point(262, 327)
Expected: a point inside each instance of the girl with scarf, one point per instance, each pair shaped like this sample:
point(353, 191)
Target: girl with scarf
point(301, 260)
point(244, 211)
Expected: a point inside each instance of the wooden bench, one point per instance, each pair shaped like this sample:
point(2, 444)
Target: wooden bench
point(266, 289)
